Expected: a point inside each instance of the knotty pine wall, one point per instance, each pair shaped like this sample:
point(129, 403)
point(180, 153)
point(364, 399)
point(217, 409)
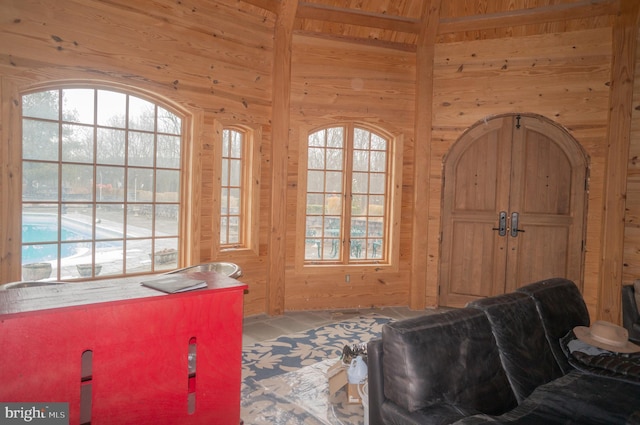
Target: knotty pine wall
point(214, 63)
point(564, 77)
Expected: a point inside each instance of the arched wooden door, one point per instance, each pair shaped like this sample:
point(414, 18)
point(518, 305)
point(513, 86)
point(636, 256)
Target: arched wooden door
point(514, 208)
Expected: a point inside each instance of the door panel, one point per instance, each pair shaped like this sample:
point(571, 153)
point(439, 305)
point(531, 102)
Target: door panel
point(523, 165)
point(473, 257)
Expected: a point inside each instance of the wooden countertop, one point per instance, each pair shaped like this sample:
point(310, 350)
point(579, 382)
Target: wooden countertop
point(123, 289)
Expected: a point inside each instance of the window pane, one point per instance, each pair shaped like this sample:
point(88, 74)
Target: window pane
point(168, 122)
point(361, 139)
point(141, 148)
point(334, 182)
point(360, 183)
point(236, 145)
point(334, 159)
point(44, 104)
point(235, 173)
point(317, 138)
point(40, 140)
point(168, 151)
point(335, 137)
point(141, 114)
point(110, 221)
point(234, 201)
point(361, 160)
point(110, 146)
point(314, 203)
point(378, 161)
point(359, 204)
point(139, 256)
point(167, 185)
point(315, 181)
point(40, 181)
point(376, 205)
point(77, 182)
point(377, 183)
point(112, 107)
point(77, 222)
point(139, 184)
point(77, 143)
point(334, 205)
point(110, 257)
point(40, 226)
point(224, 230)
point(166, 220)
point(378, 143)
point(110, 184)
point(139, 220)
point(78, 105)
point(316, 159)
point(234, 226)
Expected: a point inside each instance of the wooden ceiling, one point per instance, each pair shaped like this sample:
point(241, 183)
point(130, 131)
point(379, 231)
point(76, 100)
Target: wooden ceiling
point(397, 23)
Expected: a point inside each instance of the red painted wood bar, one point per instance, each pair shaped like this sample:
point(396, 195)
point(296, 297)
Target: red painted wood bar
point(139, 340)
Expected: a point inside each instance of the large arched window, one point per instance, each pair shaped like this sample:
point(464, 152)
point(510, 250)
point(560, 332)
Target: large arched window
point(100, 183)
point(348, 196)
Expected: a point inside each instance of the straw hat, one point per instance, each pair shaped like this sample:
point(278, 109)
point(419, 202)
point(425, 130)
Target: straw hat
point(607, 336)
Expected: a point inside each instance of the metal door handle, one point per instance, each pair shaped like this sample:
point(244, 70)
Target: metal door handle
point(502, 223)
point(514, 225)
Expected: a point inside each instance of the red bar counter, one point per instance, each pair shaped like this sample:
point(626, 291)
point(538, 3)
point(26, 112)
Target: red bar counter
point(138, 341)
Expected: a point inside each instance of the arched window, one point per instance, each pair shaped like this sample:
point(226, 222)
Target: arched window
point(233, 188)
point(348, 196)
point(101, 183)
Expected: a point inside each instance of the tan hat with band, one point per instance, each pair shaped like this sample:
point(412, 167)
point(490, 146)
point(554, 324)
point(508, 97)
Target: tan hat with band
point(606, 335)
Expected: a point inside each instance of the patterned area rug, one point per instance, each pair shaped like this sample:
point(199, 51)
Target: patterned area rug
point(284, 380)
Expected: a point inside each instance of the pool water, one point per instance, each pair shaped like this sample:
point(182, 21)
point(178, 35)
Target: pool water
point(46, 232)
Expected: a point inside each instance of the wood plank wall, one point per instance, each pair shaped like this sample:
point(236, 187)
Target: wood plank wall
point(632, 217)
point(214, 61)
point(564, 77)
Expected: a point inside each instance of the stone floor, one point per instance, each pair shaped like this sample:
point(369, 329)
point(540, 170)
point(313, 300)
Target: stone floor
point(263, 327)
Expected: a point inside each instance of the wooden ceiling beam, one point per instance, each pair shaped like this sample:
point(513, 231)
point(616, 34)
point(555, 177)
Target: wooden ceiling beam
point(357, 17)
point(270, 5)
point(538, 15)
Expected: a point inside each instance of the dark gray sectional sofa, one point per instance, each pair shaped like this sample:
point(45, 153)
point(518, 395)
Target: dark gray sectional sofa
point(498, 360)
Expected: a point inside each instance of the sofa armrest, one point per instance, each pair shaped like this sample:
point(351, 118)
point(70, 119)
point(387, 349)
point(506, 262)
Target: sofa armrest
point(375, 381)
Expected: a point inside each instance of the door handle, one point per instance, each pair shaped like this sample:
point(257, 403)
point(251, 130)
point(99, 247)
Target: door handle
point(514, 225)
point(502, 223)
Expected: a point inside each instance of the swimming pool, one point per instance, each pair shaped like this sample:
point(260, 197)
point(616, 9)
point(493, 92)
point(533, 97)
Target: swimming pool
point(40, 237)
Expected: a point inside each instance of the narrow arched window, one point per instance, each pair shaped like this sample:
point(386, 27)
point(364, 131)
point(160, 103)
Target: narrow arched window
point(348, 195)
point(101, 183)
point(233, 185)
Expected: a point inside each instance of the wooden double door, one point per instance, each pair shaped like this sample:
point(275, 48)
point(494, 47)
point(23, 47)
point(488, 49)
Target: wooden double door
point(513, 208)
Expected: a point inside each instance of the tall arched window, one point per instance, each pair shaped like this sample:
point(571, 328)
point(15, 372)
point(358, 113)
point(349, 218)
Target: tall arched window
point(101, 183)
point(348, 196)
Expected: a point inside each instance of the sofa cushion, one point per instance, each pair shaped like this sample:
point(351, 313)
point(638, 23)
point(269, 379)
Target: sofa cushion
point(561, 308)
point(448, 358)
point(524, 350)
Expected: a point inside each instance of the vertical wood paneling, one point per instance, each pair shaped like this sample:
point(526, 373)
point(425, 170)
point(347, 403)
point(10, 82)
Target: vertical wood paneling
point(624, 50)
point(541, 74)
